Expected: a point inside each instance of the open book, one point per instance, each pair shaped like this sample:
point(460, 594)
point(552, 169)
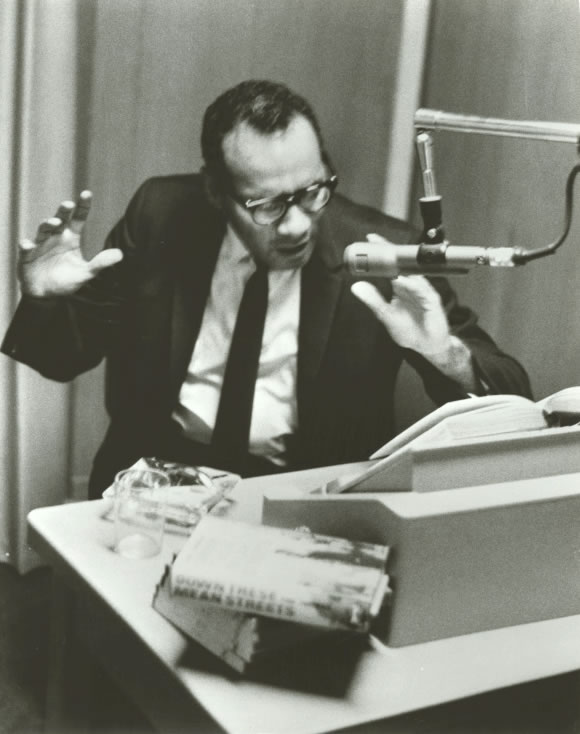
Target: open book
point(294, 575)
point(464, 432)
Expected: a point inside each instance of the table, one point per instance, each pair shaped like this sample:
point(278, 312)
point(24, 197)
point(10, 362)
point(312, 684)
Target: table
point(102, 605)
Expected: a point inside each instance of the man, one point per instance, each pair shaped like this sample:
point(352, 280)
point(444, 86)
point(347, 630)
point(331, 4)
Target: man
point(161, 302)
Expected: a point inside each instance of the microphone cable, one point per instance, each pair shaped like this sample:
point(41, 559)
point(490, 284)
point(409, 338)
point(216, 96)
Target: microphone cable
point(523, 256)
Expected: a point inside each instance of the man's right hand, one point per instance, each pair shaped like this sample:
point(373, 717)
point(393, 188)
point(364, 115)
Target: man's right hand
point(53, 264)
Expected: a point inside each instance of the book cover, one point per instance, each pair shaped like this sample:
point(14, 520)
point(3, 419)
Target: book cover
point(239, 639)
point(294, 575)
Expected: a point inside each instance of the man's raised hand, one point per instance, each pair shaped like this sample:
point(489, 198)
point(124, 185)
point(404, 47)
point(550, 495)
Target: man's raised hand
point(415, 319)
point(53, 264)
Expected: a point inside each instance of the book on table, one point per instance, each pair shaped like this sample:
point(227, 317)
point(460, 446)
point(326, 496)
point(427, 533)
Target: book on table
point(450, 445)
point(287, 574)
point(244, 591)
point(240, 639)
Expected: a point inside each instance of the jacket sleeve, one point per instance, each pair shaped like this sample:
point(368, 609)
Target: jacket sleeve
point(497, 371)
point(62, 337)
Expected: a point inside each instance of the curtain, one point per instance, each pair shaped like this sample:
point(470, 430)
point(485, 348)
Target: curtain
point(517, 60)
point(100, 94)
point(37, 146)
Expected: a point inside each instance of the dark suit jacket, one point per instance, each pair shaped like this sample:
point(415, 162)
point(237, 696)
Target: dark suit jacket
point(144, 315)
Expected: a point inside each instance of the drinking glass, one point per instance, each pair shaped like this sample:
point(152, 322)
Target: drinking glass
point(140, 508)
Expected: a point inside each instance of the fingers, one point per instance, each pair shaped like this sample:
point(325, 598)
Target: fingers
point(64, 212)
point(374, 239)
point(81, 211)
point(48, 228)
point(377, 239)
point(26, 251)
point(105, 259)
point(371, 297)
point(68, 214)
point(409, 291)
point(415, 288)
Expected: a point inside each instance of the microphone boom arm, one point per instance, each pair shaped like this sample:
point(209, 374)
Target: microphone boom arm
point(435, 255)
point(426, 121)
point(554, 132)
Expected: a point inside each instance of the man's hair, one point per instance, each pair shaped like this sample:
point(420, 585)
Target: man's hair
point(266, 106)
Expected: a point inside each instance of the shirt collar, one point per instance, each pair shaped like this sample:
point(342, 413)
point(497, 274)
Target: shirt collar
point(233, 249)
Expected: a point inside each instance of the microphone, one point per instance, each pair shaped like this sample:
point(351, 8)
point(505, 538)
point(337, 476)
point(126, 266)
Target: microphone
point(374, 259)
point(387, 260)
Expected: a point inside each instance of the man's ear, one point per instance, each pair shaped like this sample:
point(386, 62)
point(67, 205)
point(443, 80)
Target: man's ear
point(212, 189)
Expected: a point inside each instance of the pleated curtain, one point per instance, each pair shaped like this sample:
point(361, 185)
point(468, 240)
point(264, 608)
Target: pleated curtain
point(38, 63)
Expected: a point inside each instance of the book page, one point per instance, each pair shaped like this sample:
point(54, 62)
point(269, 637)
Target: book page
point(451, 423)
point(232, 636)
point(492, 420)
point(562, 408)
point(455, 407)
point(456, 424)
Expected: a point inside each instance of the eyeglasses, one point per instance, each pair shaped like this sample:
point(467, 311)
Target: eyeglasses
point(272, 209)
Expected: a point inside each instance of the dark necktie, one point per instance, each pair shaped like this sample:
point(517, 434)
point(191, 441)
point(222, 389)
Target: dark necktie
point(232, 427)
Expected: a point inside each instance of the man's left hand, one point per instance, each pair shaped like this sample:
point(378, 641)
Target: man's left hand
point(416, 320)
point(414, 317)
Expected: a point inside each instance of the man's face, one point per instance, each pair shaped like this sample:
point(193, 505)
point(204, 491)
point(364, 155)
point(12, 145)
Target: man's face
point(264, 165)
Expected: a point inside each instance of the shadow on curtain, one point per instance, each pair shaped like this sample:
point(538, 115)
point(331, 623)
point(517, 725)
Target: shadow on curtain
point(103, 95)
point(38, 82)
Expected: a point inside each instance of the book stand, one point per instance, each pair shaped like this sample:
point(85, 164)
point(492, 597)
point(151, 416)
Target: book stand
point(463, 560)
point(470, 462)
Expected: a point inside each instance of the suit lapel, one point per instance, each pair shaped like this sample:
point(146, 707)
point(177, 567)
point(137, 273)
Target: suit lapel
point(320, 289)
point(196, 234)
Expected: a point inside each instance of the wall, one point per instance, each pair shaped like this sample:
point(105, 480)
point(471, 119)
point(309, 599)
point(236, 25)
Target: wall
point(516, 60)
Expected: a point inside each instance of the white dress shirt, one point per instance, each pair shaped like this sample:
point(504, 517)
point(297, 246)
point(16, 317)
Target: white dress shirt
point(274, 414)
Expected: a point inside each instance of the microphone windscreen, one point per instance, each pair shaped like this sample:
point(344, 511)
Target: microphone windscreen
point(367, 259)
